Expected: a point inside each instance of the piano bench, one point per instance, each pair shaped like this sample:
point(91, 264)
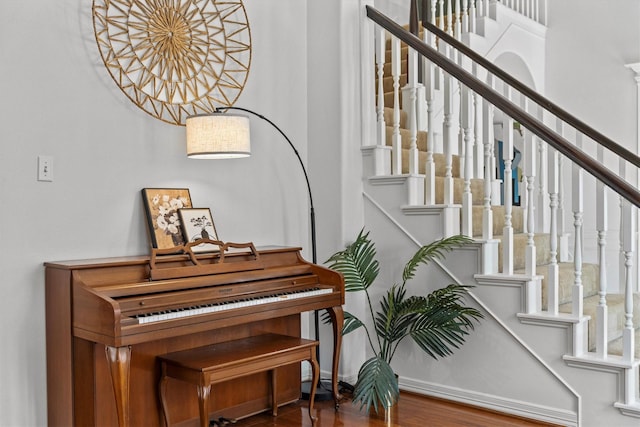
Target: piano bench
point(209, 365)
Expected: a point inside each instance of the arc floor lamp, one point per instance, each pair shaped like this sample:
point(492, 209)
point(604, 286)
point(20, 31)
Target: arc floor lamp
point(221, 135)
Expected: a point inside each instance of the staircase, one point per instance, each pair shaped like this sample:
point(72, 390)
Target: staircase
point(426, 176)
point(590, 272)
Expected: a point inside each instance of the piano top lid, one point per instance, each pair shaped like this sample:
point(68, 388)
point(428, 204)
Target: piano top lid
point(144, 259)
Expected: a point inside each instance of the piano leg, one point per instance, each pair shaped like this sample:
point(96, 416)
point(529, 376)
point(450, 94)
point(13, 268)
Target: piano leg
point(274, 392)
point(119, 359)
point(164, 379)
point(337, 320)
point(315, 372)
point(204, 392)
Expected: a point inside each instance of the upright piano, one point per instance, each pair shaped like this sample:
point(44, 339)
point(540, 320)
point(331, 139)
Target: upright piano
point(108, 319)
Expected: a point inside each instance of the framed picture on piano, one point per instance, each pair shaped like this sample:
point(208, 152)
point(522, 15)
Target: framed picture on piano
point(163, 221)
point(197, 223)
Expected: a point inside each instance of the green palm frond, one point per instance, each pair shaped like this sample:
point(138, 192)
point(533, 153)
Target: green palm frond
point(351, 323)
point(376, 384)
point(357, 263)
point(432, 251)
point(395, 317)
point(444, 323)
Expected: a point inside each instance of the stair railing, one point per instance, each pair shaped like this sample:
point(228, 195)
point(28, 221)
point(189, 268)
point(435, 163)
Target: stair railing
point(552, 108)
point(465, 13)
point(555, 193)
point(537, 133)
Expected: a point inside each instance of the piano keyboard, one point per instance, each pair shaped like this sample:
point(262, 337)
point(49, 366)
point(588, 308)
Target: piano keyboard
point(228, 305)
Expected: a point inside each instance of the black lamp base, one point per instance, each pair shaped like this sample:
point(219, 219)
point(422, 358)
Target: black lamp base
point(323, 391)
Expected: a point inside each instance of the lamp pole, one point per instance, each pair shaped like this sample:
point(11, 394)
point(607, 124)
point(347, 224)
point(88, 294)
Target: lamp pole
point(314, 255)
point(322, 393)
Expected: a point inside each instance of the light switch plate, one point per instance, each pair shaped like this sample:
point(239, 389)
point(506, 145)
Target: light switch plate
point(45, 168)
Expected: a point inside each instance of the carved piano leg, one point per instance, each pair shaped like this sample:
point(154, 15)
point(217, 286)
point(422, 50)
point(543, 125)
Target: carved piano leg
point(315, 372)
point(337, 320)
point(204, 391)
point(119, 359)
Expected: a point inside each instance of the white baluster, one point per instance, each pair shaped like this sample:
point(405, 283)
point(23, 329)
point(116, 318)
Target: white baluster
point(429, 81)
point(396, 144)
point(380, 57)
point(577, 294)
point(629, 225)
point(413, 128)
point(437, 10)
point(563, 237)
point(447, 132)
point(552, 278)
point(602, 312)
point(466, 118)
point(543, 12)
point(441, 17)
point(416, 192)
point(489, 175)
point(478, 147)
point(480, 8)
point(530, 151)
point(507, 156)
point(473, 16)
point(542, 216)
point(465, 16)
point(457, 27)
point(449, 18)
point(622, 164)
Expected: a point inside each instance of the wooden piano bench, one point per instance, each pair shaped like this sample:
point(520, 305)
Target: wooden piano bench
point(205, 366)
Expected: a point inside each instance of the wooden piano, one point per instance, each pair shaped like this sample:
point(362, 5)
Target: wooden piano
point(108, 319)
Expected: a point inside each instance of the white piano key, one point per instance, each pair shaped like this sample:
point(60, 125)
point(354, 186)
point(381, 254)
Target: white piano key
point(206, 309)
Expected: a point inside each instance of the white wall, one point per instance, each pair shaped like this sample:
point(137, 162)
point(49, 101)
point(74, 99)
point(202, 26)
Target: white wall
point(334, 139)
point(588, 44)
point(58, 99)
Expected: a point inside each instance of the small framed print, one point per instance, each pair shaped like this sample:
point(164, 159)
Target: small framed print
point(163, 221)
point(197, 223)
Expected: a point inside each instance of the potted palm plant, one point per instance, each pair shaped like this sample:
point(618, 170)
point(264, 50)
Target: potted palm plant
point(438, 322)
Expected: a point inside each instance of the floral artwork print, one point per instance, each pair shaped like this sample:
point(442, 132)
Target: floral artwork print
point(162, 206)
point(197, 223)
point(202, 223)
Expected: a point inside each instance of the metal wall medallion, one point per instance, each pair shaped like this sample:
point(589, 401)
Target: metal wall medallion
point(175, 58)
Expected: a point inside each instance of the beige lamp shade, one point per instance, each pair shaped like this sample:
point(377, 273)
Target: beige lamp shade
point(218, 136)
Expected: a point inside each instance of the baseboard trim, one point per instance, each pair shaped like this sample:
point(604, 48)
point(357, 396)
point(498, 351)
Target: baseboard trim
point(629, 410)
point(490, 402)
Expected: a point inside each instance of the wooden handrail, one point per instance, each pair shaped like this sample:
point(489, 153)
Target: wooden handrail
point(561, 144)
point(545, 103)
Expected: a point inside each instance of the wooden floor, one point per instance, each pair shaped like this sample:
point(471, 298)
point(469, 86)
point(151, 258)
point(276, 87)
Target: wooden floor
point(412, 411)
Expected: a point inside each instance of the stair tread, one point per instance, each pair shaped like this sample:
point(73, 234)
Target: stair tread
point(615, 307)
point(615, 346)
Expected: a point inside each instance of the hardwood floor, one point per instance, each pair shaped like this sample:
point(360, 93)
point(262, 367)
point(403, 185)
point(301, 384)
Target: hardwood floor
point(412, 411)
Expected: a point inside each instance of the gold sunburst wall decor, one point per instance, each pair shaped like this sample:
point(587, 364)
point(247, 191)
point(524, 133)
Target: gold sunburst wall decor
point(175, 58)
